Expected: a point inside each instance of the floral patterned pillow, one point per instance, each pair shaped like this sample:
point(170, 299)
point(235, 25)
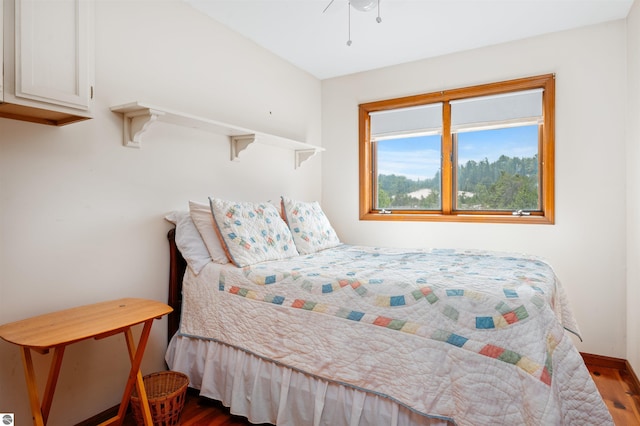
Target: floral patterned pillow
point(251, 232)
point(309, 226)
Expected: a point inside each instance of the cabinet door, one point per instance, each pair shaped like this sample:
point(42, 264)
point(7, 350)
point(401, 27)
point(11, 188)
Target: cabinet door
point(52, 48)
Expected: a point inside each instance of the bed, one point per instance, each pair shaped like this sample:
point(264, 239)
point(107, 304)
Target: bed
point(283, 323)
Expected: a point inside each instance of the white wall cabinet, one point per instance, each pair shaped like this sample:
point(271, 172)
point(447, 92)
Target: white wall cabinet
point(47, 61)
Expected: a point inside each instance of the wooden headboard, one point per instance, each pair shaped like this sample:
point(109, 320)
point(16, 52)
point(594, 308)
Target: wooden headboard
point(177, 267)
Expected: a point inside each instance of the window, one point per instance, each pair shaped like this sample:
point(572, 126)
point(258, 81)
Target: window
point(478, 154)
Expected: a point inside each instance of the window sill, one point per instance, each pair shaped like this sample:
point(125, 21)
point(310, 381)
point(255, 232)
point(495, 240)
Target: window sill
point(472, 218)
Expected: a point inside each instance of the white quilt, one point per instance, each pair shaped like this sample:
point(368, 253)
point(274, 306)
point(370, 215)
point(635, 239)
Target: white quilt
point(475, 337)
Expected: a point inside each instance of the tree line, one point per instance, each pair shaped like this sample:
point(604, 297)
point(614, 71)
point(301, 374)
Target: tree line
point(509, 183)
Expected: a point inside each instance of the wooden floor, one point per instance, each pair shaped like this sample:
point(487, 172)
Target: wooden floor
point(619, 391)
point(614, 383)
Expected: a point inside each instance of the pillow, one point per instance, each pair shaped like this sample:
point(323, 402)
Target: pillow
point(188, 241)
point(252, 232)
point(203, 220)
point(309, 226)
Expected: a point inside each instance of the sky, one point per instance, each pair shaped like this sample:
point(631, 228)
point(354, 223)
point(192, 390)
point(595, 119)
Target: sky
point(419, 157)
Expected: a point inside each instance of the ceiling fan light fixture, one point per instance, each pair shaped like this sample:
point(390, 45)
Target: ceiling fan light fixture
point(363, 5)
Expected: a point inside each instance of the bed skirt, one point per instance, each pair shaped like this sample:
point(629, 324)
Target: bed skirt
point(266, 392)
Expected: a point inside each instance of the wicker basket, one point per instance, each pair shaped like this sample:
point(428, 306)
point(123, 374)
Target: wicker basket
point(166, 392)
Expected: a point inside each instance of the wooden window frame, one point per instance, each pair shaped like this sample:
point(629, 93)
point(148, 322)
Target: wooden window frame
point(447, 213)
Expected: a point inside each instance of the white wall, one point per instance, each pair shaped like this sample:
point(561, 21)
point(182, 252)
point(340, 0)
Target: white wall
point(633, 188)
point(81, 216)
point(587, 243)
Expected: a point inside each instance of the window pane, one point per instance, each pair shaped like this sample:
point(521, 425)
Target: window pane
point(497, 169)
point(408, 171)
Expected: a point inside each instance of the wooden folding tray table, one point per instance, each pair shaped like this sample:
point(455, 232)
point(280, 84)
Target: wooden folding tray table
point(56, 330)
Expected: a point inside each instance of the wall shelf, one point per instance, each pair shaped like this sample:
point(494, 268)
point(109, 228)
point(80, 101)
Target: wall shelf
point(139, 117)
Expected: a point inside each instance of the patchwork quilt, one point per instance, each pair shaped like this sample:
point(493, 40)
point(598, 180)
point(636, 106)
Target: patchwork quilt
point(478, 338)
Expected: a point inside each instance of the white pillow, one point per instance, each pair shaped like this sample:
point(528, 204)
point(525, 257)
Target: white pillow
point(252, 232)
point(188, 241)
point(309, 226)
point(203, 220)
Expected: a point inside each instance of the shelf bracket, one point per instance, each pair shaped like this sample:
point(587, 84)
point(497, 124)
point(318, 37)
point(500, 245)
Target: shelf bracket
point(239, 143)
point(303, 155)
point(136, 123)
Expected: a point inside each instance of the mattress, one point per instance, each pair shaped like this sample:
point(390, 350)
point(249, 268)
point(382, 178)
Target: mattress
point(470, 337)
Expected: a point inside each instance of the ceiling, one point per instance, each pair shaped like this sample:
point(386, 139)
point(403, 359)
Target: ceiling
point(316, 41)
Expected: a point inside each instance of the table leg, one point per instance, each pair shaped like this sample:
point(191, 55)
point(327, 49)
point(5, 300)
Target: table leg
point(32, 386)
point(41, 413)
point(52, 381)
point(134, 374)
point(142, 392)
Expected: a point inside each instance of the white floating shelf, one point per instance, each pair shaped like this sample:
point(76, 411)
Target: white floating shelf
point(138, 117)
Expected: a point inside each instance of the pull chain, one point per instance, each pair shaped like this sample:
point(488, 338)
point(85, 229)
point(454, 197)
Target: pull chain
point(349, 14)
